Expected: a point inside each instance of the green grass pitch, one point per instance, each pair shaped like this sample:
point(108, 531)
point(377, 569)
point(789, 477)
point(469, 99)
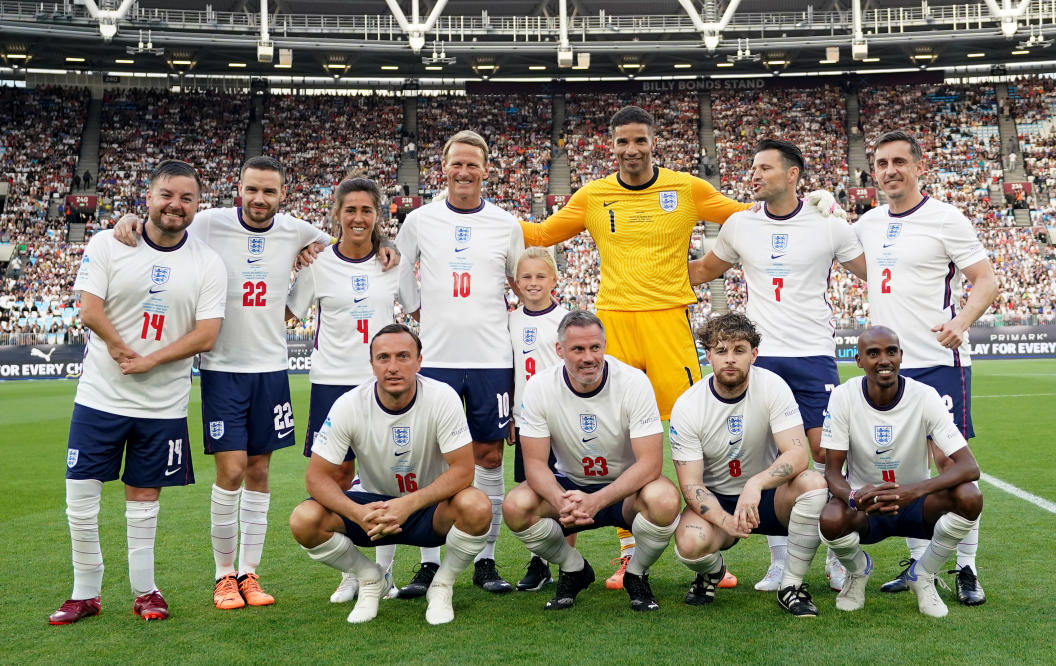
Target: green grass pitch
point(1014, 417)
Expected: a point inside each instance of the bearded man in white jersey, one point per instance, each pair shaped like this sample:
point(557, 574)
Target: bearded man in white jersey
point(149, 308)
point(467, 249)
point(787, 251)
point(918, 249)
point(410, 442)
point(741, 456)
point(246, 411)
point(880, 425)
point(600, 418)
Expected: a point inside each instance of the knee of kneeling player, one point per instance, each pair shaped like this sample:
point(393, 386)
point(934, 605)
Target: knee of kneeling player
point(690, 544)
point(518, 507)
point(809, 480)
point(662, 502)
point(833, 523)
point(473, 510)
point(967, 500)
point(306, 523)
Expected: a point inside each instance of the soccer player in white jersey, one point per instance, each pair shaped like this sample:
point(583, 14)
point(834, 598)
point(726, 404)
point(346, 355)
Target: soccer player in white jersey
point(599, 417)
point(150, 309)
point(787, 251)
point(533, 332)
point(410, 439)
point(918, 249)
point(741, 456)
point(880, 426)
point(246, 409)
point(354, 297)
point(466, 249)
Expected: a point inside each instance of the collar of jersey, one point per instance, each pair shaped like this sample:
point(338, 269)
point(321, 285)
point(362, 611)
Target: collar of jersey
point(536, 313)
point(350, 260)
point(911, 210)
point(464, 211)
point(417, 387)
point(252, 230)
point(160, 248)
point(591, 394)
point(728, 401)
point(894, 403)
point(643, 186)
point(799, 207)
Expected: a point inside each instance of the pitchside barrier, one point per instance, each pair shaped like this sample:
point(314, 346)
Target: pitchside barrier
point(64, 361)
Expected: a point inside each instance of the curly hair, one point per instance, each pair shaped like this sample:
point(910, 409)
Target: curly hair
point(729, 327)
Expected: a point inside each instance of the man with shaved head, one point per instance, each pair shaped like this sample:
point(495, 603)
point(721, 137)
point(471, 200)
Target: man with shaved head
point(879, 426)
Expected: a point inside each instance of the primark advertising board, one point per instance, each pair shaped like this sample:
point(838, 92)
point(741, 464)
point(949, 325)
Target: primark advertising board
point(64, 361)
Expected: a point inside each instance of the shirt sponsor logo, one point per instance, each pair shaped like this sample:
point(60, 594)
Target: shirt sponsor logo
point(606, 204)
point(256, 245)
point(735, 424)
point(778, 242)
point(72, 455)
point(216, 429)
point(668, 200)
point(588, 423)
point(883, 434)
point(360, 284)
point(529, 334)
point(159, 275)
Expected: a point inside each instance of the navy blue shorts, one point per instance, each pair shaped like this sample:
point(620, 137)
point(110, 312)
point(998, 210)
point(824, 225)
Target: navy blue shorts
point(811, 379)
point(610, 516)
point(417, 529)
point(486, 393)
point(323, 398)
point(157, 452)
point(518, 460)
point(246, 411)
point(909, 522)
point(768, 522)
point(955, 387)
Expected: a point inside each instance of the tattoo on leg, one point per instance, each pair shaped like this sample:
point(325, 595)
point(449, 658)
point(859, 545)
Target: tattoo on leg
point(782, 471)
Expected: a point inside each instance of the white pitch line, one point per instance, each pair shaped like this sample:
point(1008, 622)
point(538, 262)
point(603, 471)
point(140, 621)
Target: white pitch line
point(1040, 502)
point(1012, 395)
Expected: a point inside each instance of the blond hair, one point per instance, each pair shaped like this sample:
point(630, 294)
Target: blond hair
point(540, 253)
point(468, 137)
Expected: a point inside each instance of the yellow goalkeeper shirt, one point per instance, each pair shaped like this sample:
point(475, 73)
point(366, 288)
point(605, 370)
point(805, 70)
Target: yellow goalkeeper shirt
point(642, 233)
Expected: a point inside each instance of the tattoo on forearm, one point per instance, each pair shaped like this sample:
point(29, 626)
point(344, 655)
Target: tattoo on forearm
point(782, 471)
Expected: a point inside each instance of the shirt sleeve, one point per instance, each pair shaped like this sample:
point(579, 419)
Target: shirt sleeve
point(93, 274)
point(335, 437)
point(562, 225)
point(407, 244)
point(845, 240)
point(712, 205)
point(940, 425)
point(302, 293)
point(784, 411)
point(213, 295)
point(514, 250)
point(835, 433)
point(640, 405)
point(962, 244)
point(533, 410)
point(683, 437)
point(452, 430)
point(723, 247)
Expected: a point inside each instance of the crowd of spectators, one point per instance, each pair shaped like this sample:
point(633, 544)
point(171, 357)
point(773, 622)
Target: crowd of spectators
point(323, 139)
point(518, 130)
point(140, 128)
point(1033, 106)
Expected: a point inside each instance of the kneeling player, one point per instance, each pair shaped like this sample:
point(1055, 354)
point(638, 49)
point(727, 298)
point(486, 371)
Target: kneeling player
point(880, 425)
point(723, 433)
point(409, 436)
point(600, 417)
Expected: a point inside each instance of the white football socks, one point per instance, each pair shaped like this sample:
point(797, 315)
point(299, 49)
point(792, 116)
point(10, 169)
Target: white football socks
point(82, 513)
point(223, 517)
point(490, 481)
point(253, 519)
point(141, 519)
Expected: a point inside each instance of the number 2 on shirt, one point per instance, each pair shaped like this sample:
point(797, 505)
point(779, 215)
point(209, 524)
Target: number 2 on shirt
point(600, 463)
point(254, 293)
point(885, 284)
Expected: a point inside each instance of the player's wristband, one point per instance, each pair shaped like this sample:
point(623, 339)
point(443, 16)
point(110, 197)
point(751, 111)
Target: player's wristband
point(850, 501)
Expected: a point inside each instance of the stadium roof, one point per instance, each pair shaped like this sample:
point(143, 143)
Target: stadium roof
point(465, 39)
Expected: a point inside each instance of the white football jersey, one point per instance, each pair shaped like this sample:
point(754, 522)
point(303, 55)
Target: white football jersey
point(590, 434)
point(354, 299)
point(915, 261)
point(396, 452)
point(890, 443)
point(259, 262)
point(153, 296)
point(787, 262)
point(534, 337)
point(734, 437)
point(465, 258)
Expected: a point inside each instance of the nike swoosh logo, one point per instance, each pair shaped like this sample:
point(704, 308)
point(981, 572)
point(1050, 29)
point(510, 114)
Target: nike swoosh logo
point(887, 245)
point(606, 204)
point(735, 441)
point(777, 256)
point(170, 473)
point(527, 351)
point(357, 300)
point(588, 439)
point(253, 261)
point(283, 434)
point(154, 291)
point(503, 424)
point(461, 249)
point(401, 454)
point(881, 452)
